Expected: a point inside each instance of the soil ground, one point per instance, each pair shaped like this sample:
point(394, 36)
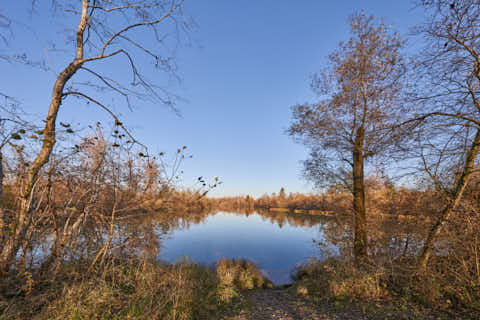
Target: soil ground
point(284, 304)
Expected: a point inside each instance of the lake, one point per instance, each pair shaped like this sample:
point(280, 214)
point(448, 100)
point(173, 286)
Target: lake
point(276, 242)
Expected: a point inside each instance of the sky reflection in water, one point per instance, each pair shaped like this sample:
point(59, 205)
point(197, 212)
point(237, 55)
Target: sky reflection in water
point(275, 247)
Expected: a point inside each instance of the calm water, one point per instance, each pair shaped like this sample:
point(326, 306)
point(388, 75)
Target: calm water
point(276, 241)
point(277, 245)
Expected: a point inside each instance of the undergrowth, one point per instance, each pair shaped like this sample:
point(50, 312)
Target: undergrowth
point(394, 284)
point(129, 289)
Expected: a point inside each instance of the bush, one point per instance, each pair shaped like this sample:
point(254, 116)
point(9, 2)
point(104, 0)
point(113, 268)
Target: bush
point(339, 280)
point(237, 275)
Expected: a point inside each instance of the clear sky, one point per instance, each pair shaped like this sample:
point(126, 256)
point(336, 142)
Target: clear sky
point(248, 63)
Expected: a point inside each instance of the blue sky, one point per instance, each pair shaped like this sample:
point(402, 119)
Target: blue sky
point(248, 63)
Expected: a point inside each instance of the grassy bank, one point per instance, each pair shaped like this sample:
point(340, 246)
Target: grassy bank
point(392, 287)
point(130, 289)
point(126, 288)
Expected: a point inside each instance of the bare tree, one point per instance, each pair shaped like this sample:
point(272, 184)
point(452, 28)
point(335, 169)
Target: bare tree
point(106, 31)
point(354, 121)
point(448, 81)
point(12, 126)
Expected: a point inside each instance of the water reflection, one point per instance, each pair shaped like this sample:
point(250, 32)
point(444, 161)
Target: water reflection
point(277, 243)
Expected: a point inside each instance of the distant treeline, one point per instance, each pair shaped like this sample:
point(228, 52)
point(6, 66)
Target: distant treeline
point(382, 198)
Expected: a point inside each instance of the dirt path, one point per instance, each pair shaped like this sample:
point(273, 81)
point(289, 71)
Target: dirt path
point(279, 304)
point(284, 305)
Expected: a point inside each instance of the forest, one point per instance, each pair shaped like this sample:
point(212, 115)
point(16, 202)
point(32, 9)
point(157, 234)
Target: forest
point(392, 140)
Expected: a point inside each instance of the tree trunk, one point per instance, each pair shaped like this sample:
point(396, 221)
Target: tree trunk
point(360, 241)
point(24, 218)
point(460, 187)
point(3, 218)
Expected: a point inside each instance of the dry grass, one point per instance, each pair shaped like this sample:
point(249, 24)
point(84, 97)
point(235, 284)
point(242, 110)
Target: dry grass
point(235, 275)
point(394, 284)
point(340, 280)
point(129, 289)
